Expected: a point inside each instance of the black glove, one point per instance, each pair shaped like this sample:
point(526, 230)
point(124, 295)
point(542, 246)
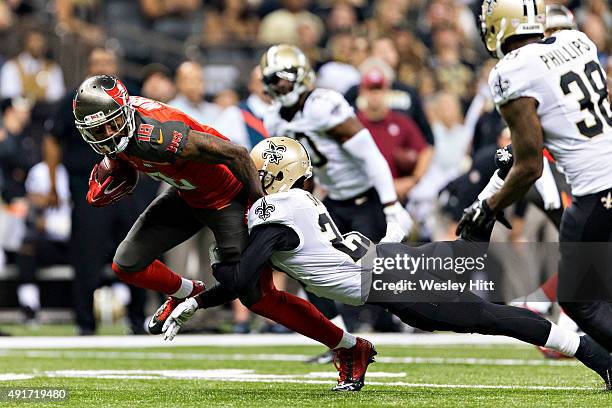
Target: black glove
point(477, 222)
point(504, 159)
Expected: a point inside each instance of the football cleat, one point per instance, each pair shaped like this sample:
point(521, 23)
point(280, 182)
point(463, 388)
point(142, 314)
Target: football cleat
point(594, 356)
point(352, 365)
point(159, 318)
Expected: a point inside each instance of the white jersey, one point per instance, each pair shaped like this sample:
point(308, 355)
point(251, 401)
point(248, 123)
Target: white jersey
point(563, 74)
point(337, 171)
point(317, 262)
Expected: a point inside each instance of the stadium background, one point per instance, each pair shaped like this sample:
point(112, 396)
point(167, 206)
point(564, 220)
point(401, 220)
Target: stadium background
point(198, 55)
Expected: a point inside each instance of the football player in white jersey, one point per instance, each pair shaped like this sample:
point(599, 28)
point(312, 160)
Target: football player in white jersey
point(293, 231)
point(347, 163)
point(553, 93)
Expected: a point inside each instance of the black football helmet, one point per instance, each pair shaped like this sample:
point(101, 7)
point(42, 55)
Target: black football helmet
point(103, 114)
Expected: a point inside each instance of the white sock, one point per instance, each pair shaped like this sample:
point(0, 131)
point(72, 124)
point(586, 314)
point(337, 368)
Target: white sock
point(339, 321)
point(185, 289)
point(347, 341)
point(566, 322)
point(29, 295)
point(564, 341)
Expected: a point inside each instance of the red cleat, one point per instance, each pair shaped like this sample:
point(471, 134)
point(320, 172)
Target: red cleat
point(159, 318)
point(352, 365)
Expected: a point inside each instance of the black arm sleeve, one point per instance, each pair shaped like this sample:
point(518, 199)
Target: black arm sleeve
point(241, 279)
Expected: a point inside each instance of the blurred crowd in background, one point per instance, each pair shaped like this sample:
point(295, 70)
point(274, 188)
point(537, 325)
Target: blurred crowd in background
point(415, 71)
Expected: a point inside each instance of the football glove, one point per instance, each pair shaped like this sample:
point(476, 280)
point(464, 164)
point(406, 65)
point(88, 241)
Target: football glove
point(504, 160)
point(477, 222)
point(179, 316)
point(397, 214)
point(110, 189)
point(395, 233)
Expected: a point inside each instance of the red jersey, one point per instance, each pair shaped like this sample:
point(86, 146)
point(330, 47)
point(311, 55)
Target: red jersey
point(396, 136)
point(160, 136)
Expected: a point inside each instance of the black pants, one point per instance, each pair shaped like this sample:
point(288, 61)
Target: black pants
point(364, 214)
point(471, 314)
point(168, 221)
point(95, 234)
point(584, 289)
point(462, 312)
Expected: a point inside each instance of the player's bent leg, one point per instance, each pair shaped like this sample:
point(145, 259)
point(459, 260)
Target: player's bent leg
point(291, 311)
point(158, 277)
point(229, 228)
point(166, 222)
point(352, 355)
point(330, 310)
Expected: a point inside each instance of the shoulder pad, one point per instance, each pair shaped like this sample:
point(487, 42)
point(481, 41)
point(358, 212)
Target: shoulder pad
point(326, 108)
point(156, 140)
point(272, 209)
point(512, 76)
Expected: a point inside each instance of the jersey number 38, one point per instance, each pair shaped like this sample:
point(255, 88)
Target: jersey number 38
point(596, 92)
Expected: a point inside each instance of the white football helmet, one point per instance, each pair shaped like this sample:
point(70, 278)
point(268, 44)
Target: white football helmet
point(503, 19)
point(286, 62)
point(280, 161)
point(559, 17)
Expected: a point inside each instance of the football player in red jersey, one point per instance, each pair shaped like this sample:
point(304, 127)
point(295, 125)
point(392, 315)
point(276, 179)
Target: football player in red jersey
point(213, 180)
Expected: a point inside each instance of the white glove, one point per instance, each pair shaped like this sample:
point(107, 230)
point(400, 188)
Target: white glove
point(395, 233)
point(179, 316)
point(214, 254)
point(397, 214)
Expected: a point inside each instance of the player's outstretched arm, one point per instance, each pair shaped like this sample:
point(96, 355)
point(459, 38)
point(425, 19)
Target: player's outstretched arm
point(207, 148)
point(358, 141)
point(527, 143)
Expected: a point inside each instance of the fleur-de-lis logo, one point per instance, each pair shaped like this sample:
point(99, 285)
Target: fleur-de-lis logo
point(607, 201)
point(265, 210)
point(501, 87)
point(274, 153)
point(504, 155)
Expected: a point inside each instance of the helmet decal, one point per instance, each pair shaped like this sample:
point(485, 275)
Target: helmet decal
point(93, 118)
point(273, 153)
point(118, 92)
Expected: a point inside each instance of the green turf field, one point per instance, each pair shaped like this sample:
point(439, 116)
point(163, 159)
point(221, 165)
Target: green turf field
point(470, 376)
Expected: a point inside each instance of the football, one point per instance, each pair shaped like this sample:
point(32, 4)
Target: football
point(110, 181)
point(119, 170)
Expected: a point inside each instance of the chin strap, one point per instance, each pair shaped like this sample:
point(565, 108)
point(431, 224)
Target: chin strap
point(500, 35)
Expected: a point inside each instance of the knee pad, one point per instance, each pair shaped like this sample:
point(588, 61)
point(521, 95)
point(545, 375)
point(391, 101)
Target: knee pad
point(127, 258)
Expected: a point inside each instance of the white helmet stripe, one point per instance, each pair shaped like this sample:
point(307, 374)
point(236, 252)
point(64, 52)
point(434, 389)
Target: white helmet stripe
point(531, 10)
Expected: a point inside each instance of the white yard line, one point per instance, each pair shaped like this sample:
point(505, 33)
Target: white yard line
point(230, 340)
point(138, 355)
point(234, 375)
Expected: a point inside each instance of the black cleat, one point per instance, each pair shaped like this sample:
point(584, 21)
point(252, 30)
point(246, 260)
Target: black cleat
point(597, 358)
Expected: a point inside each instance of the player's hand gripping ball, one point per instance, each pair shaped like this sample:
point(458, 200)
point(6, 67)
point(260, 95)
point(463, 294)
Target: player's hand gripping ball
point(110, 180)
